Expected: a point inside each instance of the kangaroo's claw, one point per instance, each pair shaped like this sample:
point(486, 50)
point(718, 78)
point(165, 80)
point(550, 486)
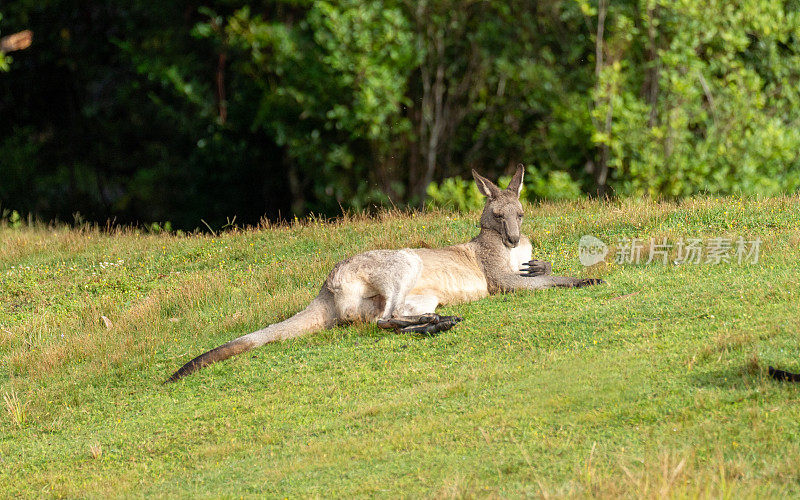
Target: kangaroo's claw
point(426, 324)
point(535, 268)
point(589, 282)
point(404, 321)
point(443, 324)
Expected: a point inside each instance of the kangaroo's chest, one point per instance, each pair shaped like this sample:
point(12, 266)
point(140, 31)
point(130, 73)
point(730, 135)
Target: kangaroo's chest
point(520, 254)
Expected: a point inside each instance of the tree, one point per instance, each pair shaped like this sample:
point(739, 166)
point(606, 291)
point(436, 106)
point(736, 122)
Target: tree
point(178, 111)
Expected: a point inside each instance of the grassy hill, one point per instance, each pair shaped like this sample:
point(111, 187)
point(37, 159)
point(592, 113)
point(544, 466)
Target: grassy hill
point(653, 384)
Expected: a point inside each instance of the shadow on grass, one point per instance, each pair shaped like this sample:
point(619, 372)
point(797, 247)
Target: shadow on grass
point(735, 377)
point(360, 334)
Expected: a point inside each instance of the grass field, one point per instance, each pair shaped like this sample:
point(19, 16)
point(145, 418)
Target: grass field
point(651, 385)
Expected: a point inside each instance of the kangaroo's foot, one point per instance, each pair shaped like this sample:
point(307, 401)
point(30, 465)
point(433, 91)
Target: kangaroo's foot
point(426, 324)
point(536, 268)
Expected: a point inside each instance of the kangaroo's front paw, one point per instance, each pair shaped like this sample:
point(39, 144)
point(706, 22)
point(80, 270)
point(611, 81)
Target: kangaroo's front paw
point(589, 282)
point(535, 268)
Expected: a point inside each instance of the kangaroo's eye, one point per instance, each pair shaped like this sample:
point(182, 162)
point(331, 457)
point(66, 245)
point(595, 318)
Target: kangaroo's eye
point(519, 215)
point(498, 216)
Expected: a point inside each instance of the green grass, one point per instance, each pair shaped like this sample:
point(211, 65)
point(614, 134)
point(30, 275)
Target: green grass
point(651, 385)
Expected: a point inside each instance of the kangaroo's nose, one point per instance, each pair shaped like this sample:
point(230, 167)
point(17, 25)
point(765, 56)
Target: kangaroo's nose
point(513, 239)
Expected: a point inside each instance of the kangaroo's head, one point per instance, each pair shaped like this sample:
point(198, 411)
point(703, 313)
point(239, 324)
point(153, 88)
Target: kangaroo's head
point(503, 211)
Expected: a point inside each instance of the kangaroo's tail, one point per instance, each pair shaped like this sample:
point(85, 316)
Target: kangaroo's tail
point(319, 314)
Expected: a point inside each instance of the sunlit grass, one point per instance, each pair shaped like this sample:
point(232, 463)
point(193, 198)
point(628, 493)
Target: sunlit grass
point(651, 385)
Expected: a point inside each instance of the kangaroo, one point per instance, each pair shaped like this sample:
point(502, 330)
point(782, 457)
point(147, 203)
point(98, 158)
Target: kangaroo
point(400, 289)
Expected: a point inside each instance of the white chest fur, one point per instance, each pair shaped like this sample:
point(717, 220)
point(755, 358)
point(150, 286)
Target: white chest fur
point(520, 254)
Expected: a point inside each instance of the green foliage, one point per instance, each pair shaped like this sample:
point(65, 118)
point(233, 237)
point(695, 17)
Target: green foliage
point(288, 107)
point(721, 102)
point(5, 61)
point(455, 193)
point(555, 185)
point(10, 218)
point(332, 88)
point(157, 228)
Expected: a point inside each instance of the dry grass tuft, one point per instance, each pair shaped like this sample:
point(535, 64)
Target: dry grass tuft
point(107, 322)
point(753, 366)
point(14, 408)
point(725, 343)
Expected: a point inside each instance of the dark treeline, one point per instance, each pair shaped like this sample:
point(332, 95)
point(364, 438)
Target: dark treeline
point(155, 111)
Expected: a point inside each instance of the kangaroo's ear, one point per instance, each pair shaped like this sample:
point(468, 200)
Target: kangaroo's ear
point(485, 186)
point(515, 186)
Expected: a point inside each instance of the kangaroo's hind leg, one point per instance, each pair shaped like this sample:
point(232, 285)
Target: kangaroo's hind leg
point(391, 275)
point(417, 315)
point(373, 285)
